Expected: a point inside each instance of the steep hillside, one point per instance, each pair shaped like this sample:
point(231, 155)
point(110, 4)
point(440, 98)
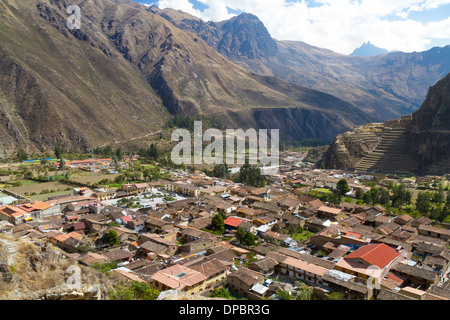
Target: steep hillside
point(416, 144)
point(429, 139)
point(67, 87)
point(385, 87)
point(36, 270)
point(128, 70)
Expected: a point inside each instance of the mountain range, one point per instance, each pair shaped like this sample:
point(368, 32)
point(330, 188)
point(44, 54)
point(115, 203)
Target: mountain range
point(130, 68)
point(385, 86)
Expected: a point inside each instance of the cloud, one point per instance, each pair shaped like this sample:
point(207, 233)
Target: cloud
point(338, 25)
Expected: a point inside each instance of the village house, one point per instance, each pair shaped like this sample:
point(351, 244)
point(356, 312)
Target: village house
point(232, 223)
point(310, 202)
point(243, 279)
point(304, 271)
point(90, 258)
point(68, 242)
point(198, 245)
point(270, 207)
point(222, 254)
point(250, 213)
point(430, 231)
point(265, 266)
point(421, 277)
point(329, 213)
point(14, 215)
point(421, 220)
point(182, 188)
point(370, 261)
point(212, 191)
point(275, 237)
point(136, 225)
point(326, 182)
point(156, 225)
point(124, 234)
point(403, 219)
point(214, 270)
point(290, 204)
point(126, 275)
point(118, 255)
point(83, 191)
point(169, 247)
point(151, 250)
point(62, 202)
point(104, 195)
point(39, 209)
point(335, 280)
point(337, 235)
point(181, 278)
point(88, 163)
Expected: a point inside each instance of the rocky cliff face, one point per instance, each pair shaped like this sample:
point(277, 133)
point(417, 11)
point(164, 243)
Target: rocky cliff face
point(36, 270)
point(349, 148)
point(429, 139)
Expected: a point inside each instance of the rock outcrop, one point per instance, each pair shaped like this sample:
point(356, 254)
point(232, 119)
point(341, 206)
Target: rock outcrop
point(416, 144)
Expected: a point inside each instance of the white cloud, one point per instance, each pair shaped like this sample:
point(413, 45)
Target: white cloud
point(339, 25)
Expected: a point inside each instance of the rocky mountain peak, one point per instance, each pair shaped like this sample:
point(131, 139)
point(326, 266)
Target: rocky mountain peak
point(246, 36)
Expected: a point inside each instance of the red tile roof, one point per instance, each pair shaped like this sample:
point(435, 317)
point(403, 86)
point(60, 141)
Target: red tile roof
point(233, 221)
point(126, 219)
point(379, 255)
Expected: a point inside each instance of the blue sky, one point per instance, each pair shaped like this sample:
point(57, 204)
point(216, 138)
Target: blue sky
point(338, 25)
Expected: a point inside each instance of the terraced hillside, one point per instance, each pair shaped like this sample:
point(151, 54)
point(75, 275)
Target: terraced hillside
point(390, 153)
point(418, 144)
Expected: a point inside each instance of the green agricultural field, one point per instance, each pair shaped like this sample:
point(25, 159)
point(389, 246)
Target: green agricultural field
point(41, 188)
point(323, 190)
point(94, 179)
point(44, 197)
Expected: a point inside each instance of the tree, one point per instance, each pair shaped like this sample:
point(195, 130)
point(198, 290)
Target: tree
point(143, 291)
point(367, 198)
point(119, 154)
point(218, 223)
point(384, 198)
point(112, 238)
point(305, 293)
point(359, 194)
point(249, 239)
point(220, 293)
point(152, 173)
point(135, 291)
point(58, 152)
point(423, 203)
point(62, 164)
point(221, 171)
point(342, 187)
point(153, 152)
point(439, 197)
point(283, 295)
point(401, 196)
point(22, 155)
point(447, 202)
point(250, 175)
point(245, 237)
